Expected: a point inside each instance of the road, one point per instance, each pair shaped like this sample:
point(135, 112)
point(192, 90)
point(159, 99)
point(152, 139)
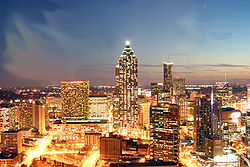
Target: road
point(36, 151)
point(91, 160)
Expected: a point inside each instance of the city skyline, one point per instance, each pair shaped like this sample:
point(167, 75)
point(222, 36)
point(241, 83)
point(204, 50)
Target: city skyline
point(74, 40)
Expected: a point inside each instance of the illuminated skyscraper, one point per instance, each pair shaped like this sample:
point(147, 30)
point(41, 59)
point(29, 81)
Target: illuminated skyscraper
point(207, 121)
point(164, 122)
point(126, 111)
point(75, 99)
point(168, 77)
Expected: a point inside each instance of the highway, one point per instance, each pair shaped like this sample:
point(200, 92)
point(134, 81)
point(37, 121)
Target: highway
point(91, 160)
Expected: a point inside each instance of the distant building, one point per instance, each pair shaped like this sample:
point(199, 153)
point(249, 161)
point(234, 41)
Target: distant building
point(168, 77)
point(11, 142)
point(179, 87)
point(75, 99)
point(110, 148)
point(222, 89)
point(164, 122)
point(126, 111)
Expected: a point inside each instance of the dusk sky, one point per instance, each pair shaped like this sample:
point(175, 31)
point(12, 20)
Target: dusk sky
point(46, 41)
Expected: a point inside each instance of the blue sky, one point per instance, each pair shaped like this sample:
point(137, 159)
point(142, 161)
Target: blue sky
point(46, 41)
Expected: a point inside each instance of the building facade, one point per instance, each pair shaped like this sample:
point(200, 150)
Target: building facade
point(168, 77)
point(179, 87)
point(110, 148)
point(207, 120)
point(164, 122)
point(75, 99)
point(126, 111)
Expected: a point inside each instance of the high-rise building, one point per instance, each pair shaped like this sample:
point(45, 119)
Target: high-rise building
point(53, 108)
point(38, 117)
point(168, 77)
point(164, 122)
point(8, 120)
point(75, 99)
point(126, 111)
point(25, 115)
point(183, 108)
point(179, 87)
point(207, 120)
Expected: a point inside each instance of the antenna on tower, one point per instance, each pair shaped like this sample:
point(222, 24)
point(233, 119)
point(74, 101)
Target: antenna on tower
point(168, 58)
point(226, 66)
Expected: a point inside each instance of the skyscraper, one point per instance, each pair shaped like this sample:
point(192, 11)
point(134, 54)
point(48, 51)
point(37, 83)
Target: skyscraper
point(126, 112)
point(75, 99)
point(164, 122)
point(168, 77)
point(207, 121)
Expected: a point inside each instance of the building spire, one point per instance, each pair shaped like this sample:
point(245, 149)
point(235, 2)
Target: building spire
point(127, 43)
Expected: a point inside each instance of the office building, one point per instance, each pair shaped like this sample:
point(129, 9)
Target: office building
point(126, 111)
point(9, 160)
point(207, 120)
point(25, 115)
point(110, 148)
point(168, 77)
point(92, 140)
point(39, 117)
point(8, 119)
point(155, 89)
point(179, 87)
point(164, 122)
point(75, 99)
point(99, 106)
point(11, 142)
point(75, 130)
point(213, 147)
point(53, 108)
